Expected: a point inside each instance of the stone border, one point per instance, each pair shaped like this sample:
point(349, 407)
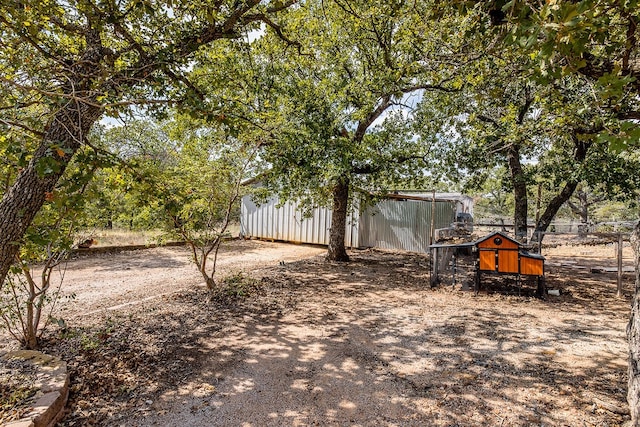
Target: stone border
point(53, 382)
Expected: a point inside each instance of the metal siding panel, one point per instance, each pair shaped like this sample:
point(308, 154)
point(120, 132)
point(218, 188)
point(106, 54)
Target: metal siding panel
point(277, 214)
point(313, 225)
point(280, 231)
point(294, 229)
point(255, 218)
point(256, 222)
point(300, 225)
point(267, 220)
point(244, 216)
point(391, 224)
point(318, 226)
point(354, 240)
point(369, 231)
point(275, 219)
point(326, 226)
point(279, 225)
point(265, 231)
point(326, 235)
point(294, 222)
point(306, 235)
point(284, 228)
point(405, 225)
point(326, 232)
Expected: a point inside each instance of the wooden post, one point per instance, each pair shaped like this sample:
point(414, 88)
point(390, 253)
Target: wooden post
point(454, 260)
point(620, 244)
point(434, 267)
point(433, 218)
point(538, 202)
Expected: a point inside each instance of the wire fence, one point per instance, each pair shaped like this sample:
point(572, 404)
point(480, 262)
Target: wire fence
point(594, 248)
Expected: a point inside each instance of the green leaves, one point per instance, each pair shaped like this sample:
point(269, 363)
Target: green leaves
point(625, 139)
point(345, 102)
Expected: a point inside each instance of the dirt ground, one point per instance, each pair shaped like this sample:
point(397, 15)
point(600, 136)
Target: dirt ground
point(300, 341)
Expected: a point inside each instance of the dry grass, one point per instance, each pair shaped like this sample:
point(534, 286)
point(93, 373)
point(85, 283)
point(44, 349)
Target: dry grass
point(122, 237)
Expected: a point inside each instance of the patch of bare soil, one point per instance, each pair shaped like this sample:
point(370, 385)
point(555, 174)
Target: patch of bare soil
point(313, 342)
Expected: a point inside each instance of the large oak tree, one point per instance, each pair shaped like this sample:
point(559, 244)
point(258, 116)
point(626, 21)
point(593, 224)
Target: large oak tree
point(348, 98)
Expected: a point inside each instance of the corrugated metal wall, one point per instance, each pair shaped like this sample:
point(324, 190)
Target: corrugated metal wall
point(390, 224)
point(403, 224)
point(287, 223)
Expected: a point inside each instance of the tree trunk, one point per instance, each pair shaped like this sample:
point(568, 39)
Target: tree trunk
point(519, 191)
point(633, 336)
point(63, 136)
point(337, 251)
point(583, 197)
point(580, 154)
point(552, 209)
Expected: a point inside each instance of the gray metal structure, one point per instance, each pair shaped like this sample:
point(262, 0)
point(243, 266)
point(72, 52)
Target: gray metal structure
point(286, 221)
point(392, 223)
point(403, 224)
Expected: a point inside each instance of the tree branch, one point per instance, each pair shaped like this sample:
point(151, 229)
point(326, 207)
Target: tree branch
point(277, 29)
point(431, 87)
point(525, 107)
point(363, 125)
point(22, 126)
point(629, 115)
point(488, 119)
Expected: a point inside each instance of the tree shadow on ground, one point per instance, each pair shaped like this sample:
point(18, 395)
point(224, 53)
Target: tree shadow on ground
point(365, 343)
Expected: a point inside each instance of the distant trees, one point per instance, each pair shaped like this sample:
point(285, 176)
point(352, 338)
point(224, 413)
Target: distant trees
point(182, 176)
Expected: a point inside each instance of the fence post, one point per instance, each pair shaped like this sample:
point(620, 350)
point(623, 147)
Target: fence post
point(432, 238)
point(434, 267)
point(620, 243)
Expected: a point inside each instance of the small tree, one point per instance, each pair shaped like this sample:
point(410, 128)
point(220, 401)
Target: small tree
point(203, 201)
point(195, 183)
point(33, 286)
point(28, 300)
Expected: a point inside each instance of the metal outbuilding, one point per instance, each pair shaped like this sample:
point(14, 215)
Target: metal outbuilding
point(397, 221)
